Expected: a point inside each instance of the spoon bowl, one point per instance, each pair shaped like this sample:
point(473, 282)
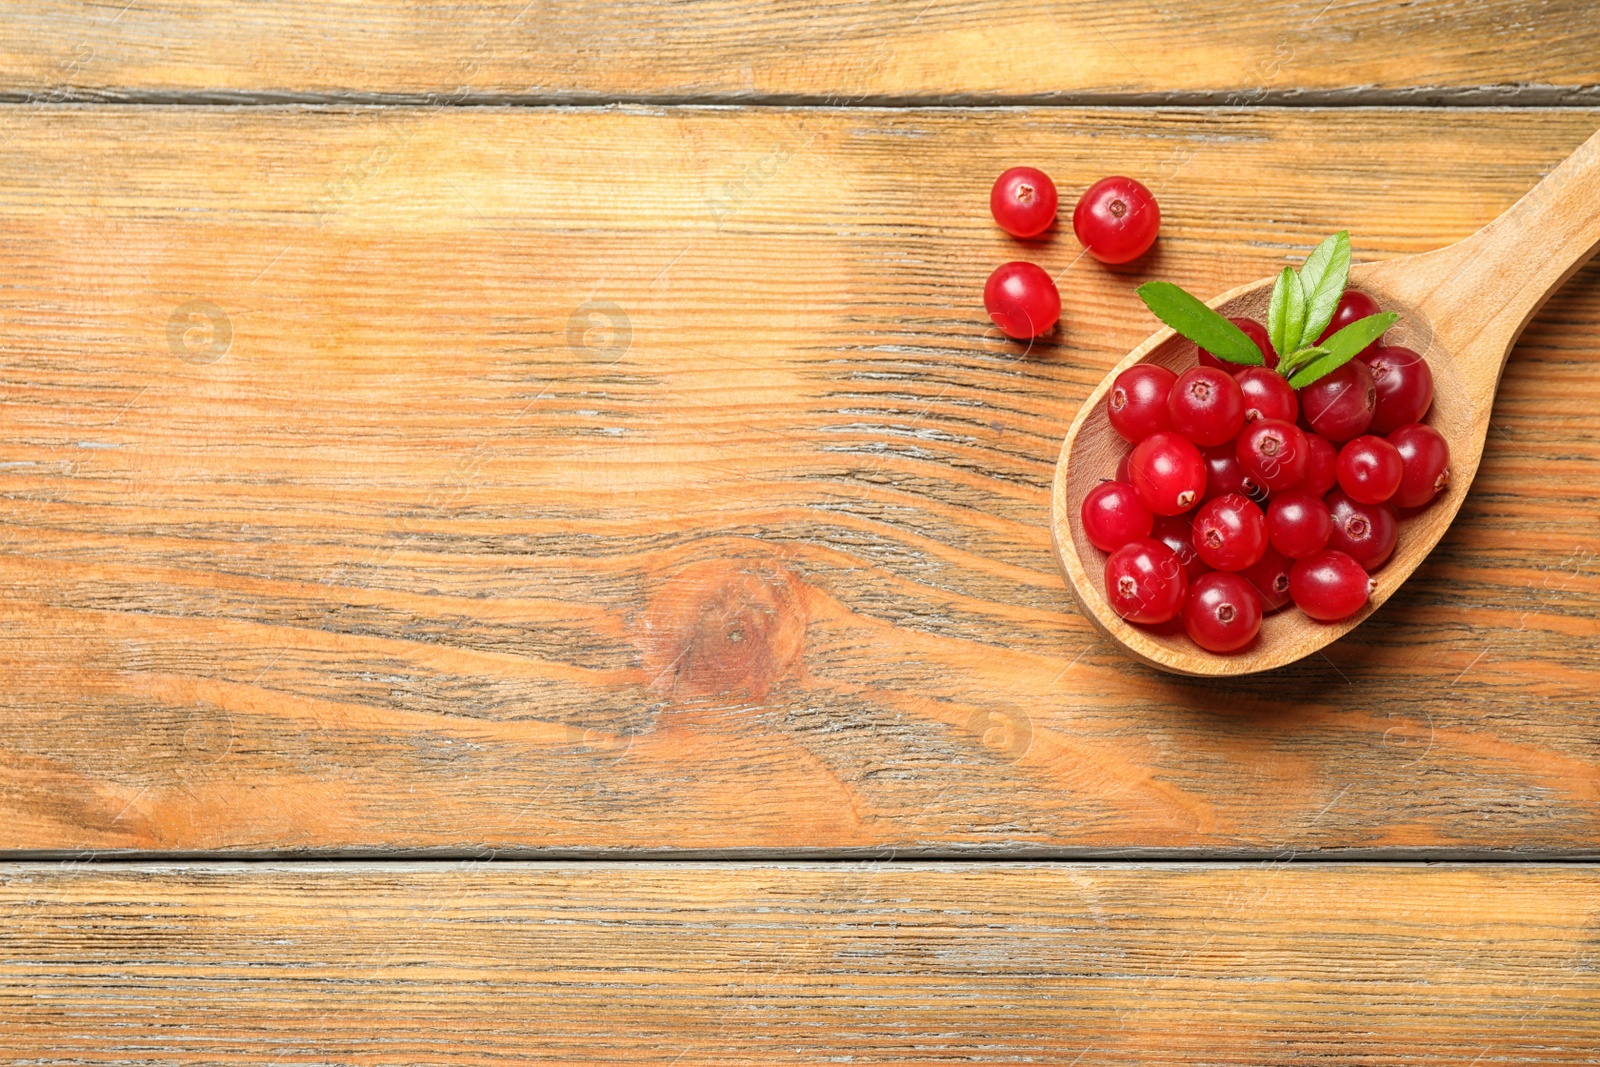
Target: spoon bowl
point(1462, 307)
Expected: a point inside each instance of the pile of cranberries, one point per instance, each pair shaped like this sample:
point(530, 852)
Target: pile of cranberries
point(1116, 220)
point(1241, 494)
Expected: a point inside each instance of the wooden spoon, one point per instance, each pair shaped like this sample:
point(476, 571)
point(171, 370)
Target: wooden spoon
point(1462, 307)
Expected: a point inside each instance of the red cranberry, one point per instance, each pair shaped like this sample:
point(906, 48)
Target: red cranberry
point(1122, 468)
point(1365, 532)
point(1206, 406)
point(1257, 333)
point(1298, 524)
point(1137, 403)
point(1425, 459)
point(1339, 405)
point(1221, 612)
point(1224, 475)
point(1230, 533)
point(1369, 469)
point(1113, 515)
point(1322, 465)
point(1145, 582)
point(1022, 300)
point(1273, 453)
point(1023, 201)
point(1167, 473)
point(1353, 307)
point(1116, 220)
point(1177, 533)
point(1329, 586)
point(1404, 384)
point(1267, 395)
point(1269, 577)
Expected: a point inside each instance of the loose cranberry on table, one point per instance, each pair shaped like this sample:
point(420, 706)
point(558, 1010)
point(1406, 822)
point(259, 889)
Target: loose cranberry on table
point(1224, 475)
point(1113, 515)
point(1145, 582)
point(1404, 386)
point(1273, 453)
point(1116, 219)
point(1206, 405)
point(1339, 405)
point(1177, 533)
point(1230, 533)
point(1023, 201)
point(1257, 333)
point(1168, 473)
point(1222, 612)
point(1369, 469)
point(1322, 465)
point(1365, 532)
point(1137, 403)
point(1022, 300)
point(1425, 463)
point(1269, 577)
point(1298, 524)
point(1267, 395)
point(1329, 586)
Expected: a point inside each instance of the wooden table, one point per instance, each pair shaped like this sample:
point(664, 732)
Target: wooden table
point(518, 545)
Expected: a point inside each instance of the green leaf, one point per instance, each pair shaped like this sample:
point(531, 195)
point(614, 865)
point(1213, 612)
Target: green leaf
point(1209, 329)
point(1286, 317)
point(1322, 277)
point(1342, 347)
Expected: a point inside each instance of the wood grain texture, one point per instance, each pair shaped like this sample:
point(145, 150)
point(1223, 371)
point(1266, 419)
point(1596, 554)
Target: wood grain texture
point(688, 964)
point(1232, 51)
point(611, 479)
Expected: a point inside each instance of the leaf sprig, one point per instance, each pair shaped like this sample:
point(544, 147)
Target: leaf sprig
point(1303, 303)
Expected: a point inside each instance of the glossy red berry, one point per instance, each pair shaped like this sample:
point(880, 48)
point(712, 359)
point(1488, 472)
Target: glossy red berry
point(1353, 306)
point(1257, 333)
point(1339, 405)
point(1116, 220)
point(1206, 405)
point(1269, 577)
point(1177, 533)
point(1224, 475)
point(1221, 613)
point(1137, 403)
point(1369, 469)
point(1329, 586)
point(1122, 468)
point(1113, 515)
point(1404, 386)
point(1022, 300)
point(1322, 465)
point(1298, 524)
point(1273, 453)
point(1168, 473)
point(1425, 463)
point(1267, 395)
point(1023, 201)
point(1365, 532)
point(1145, 582)
point(1230, 533)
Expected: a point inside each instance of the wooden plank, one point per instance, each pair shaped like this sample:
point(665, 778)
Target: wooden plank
point(1232, 51)
point(430, 554)
point(898, 963)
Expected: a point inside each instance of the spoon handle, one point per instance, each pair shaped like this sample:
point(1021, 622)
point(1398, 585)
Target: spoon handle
point(1480, 292)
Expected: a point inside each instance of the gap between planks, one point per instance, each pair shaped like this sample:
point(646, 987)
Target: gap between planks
point(1220, 859)
point(1509, 97)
